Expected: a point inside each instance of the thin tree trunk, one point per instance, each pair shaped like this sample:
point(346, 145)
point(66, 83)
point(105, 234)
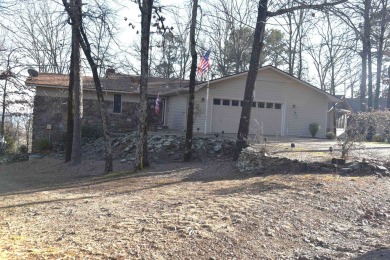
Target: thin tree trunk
point(77, 87)
point(364, 54)
point(243, 129)
point(290, 51)
point(369, 67)
point(190, 115)
point(388, 90)
point(4, 104)
point(380, 54)
point(141, 160)
point(69, 124)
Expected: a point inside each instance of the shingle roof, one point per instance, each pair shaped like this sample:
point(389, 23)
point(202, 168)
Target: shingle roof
point(113, 82)
point(355, 104)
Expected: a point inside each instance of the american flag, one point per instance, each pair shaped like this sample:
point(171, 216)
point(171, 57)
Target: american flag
point(204, 64)
point(157, 106)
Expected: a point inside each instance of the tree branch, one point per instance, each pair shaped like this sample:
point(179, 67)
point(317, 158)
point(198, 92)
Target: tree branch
point(303, 6)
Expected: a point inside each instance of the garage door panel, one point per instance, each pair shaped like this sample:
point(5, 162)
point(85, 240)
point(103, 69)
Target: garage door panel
point(226, 118)
point(264, 120)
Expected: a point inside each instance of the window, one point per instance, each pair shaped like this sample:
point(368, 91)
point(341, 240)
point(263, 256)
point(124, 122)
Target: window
point(235, 103)
point(270, 105)
point(217, 101)
point(117, 103)
point(278, 106)
point(260, 105)
point(226, 102)
point(253, 104)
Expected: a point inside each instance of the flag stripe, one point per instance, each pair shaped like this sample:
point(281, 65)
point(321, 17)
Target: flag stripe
point(204, 64)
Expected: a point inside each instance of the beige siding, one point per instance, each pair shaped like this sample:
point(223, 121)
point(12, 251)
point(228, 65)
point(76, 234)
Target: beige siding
point(199, 111)
point(177, 112)
point(301, 105)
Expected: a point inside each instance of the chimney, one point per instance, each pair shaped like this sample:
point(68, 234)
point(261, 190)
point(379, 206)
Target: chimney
point(109, 71)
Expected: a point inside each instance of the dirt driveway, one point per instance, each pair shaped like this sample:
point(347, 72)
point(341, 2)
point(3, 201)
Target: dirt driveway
point(202, 210)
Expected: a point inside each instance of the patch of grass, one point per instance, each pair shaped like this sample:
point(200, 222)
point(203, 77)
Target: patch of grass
point(116, 175)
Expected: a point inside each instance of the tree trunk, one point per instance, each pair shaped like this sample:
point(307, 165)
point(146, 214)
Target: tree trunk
point(364, 55)
point(257, 48)
point(380, 54)
point(388, 89)
point(191, 90)
point(141, 160)
point(2, 130)
point(369, 68)
point(77, 86)
point(69, 124)
point(86, 46)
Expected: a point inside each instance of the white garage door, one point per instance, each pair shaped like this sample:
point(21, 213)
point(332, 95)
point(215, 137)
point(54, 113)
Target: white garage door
point(266, 117)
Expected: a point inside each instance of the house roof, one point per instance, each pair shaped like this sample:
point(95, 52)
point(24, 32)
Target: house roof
point(355, 104)
point(204, 84)
point(278, 71)
point(114, 82)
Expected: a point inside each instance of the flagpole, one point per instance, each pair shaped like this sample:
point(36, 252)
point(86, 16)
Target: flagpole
point(207, 101)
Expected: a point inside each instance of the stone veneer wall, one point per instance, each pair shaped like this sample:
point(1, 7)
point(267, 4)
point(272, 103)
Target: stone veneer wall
point(53, 111)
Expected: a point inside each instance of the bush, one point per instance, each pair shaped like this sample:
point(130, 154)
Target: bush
point(330, 136)
point(23, 149)
point(43, 144)
point(11, 144)
point(313, 128)
point(91, 131)
point(378, 138)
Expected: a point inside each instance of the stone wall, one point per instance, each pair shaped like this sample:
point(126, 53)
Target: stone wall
point(52, 111)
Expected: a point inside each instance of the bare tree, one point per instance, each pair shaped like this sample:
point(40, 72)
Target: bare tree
point(77, 86)
point(44, 36)
point(228, 26)
point(87, 50)
point(190, 114)
point(383, 21)
point(332, 55)
point(257, 47)
point(142, 161)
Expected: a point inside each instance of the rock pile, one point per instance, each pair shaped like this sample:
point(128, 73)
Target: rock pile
point(162, 147)
point(258, 161)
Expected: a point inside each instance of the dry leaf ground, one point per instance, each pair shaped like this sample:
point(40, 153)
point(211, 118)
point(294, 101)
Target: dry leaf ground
point(202, 210)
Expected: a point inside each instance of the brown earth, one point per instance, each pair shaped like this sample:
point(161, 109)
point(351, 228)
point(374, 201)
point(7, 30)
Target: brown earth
point(202, 210)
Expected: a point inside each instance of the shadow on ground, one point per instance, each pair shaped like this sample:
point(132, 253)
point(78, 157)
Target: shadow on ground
point(376, 255)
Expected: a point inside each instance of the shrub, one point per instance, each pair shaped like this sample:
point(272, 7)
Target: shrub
point(313, 128)
point(11, 144)
point(43, 144)
point(91, 131)
point(330, 136)
point(378, 138)
point(23, 149)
